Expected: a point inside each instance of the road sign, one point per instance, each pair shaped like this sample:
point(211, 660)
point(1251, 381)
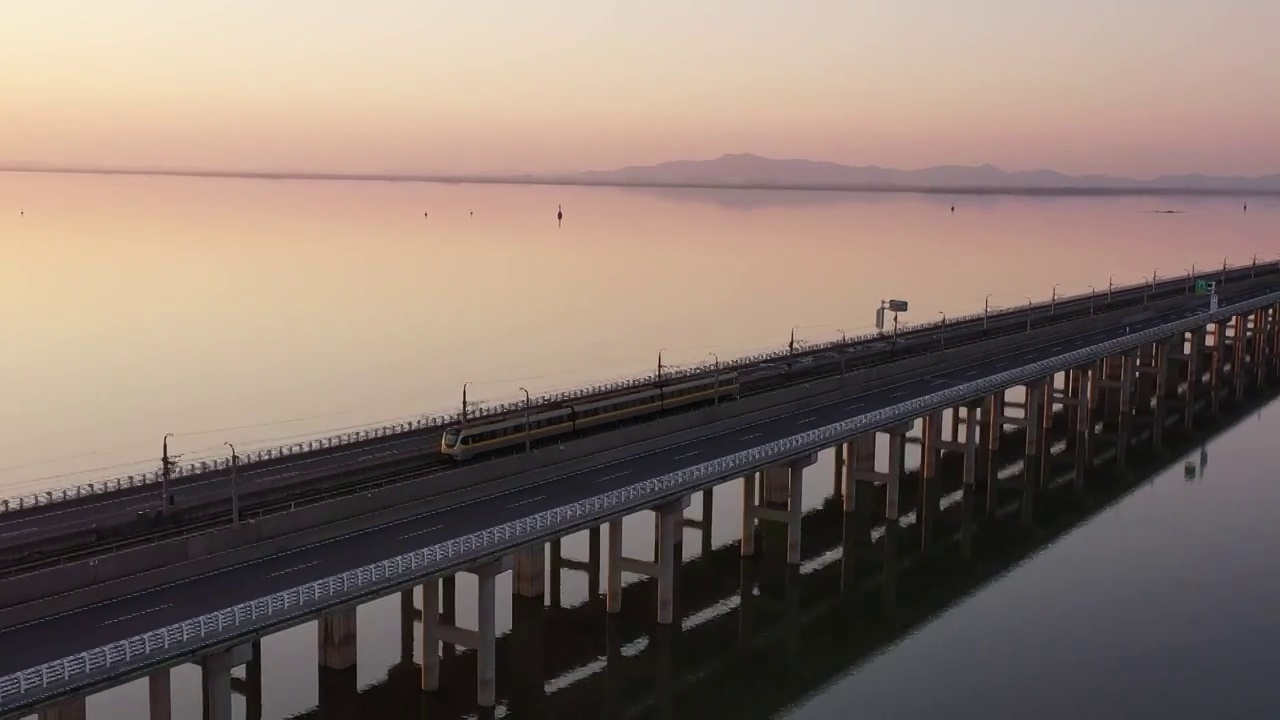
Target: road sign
point(880, 318)
point(1205, 287)
point(897, 306)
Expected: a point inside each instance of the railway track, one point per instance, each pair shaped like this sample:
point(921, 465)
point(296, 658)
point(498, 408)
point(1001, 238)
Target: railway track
point(421, 471)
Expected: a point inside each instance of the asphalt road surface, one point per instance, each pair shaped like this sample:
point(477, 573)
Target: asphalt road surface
point(59, 636)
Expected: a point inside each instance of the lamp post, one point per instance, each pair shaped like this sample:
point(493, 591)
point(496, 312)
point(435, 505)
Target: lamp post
point(659, 375)
point(527, 439)
point(844, 343)
point(791, 346)
point(1092, 293)
point(166, 466)
point(1053, 299)
point(942, 330)
point(1253, 268)
point(1028, 297)
point(715, 396)
point(986, 310)
point(235, 488)
point(464, 401)
point(1111, 283)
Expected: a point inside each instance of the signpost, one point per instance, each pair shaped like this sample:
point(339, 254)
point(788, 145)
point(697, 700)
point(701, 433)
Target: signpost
point(1210, 288)
point(893, 306)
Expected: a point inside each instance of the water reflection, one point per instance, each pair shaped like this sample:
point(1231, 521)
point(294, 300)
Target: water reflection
point(758, 636)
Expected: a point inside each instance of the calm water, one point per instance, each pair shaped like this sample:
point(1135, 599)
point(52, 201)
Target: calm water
point(262, 311)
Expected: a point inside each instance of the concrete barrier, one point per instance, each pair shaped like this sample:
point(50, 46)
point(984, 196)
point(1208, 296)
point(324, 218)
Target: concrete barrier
point(87, 582)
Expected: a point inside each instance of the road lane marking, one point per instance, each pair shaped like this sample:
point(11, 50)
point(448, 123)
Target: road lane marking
point(752, 435)
point(688, 454)
point(421, 532)
point(295, 567)
point(614, 475)
point(137, 614)
point(808, 419)
point(526, 501)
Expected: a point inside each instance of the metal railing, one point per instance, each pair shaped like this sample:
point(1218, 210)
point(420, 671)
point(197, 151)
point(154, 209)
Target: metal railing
point(187, 636)
point(440, 421)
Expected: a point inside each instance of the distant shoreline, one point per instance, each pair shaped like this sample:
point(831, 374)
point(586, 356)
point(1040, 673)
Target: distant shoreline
point(1064, 191)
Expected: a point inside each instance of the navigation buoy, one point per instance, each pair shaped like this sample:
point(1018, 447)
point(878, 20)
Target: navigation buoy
point(559, 215)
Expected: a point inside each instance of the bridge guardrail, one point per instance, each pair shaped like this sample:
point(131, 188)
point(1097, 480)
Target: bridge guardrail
point(187, 635)
point(427, 422)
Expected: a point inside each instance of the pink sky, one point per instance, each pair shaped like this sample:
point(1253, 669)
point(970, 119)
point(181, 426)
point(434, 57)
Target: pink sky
point(1138, 87)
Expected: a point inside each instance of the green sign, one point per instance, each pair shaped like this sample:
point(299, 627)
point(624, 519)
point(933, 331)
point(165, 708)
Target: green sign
point(1202, 287)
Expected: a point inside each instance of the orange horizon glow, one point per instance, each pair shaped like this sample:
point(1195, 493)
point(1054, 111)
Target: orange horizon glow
point(1138, 89)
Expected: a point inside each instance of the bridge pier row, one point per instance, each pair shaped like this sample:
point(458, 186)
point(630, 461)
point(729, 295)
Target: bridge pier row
point(662, 568)
point(558, 563)
point(868, 476)
point(483, 640)
point(860, 455)
point(530, 577)
point(215, 671)
point(72, 709)
point(780, 499)
point(1039, 417)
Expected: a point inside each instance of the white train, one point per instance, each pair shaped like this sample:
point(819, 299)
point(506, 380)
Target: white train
point(464, 443)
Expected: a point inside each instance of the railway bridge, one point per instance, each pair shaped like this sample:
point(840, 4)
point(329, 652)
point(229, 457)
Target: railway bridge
point(1120, 374)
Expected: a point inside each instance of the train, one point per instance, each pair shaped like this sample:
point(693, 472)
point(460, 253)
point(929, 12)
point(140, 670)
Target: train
point(463, 442)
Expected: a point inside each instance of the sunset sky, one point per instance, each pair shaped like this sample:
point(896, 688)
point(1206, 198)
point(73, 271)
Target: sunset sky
point(1138, 87)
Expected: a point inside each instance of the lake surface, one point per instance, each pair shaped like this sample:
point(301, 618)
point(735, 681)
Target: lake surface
point(265, 311)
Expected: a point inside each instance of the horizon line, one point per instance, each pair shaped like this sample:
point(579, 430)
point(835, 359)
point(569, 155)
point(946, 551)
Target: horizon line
point(568, 180)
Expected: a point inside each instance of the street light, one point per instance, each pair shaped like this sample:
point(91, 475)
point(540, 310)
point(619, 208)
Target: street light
point(527, 438)
point(844, 342)
point(659, 376)
point(1053, 299)
point(464, 401)
point(166, 465)
point(1028, 297)
point(1111, 283)
point(942, 330)
point(791, 346)
point(986, 310)
point(1092, 294)
point(235, 489)
point(715, 396)
point(1253, 269)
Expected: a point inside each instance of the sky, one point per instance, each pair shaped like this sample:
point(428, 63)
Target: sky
point(1138, 88)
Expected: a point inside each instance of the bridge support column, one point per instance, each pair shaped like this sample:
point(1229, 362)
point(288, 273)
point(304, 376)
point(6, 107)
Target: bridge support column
point(1128, 378)
point(216, 677)
point(1195, 371)
point(337, 639)
point(930, 503)
point(72, 709)
point(160, 695)
point(1084, 426)
point(662, 568)
point(969, 495)
point(787, 509)
point(530, 574)
point(483, 640)
point(1240, 344)
point(861, 457)
point(1039, 403)
point(892, 477)
point(993, 417)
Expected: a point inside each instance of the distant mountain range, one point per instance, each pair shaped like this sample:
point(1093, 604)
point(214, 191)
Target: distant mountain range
point(746, 170)
point(749, 171)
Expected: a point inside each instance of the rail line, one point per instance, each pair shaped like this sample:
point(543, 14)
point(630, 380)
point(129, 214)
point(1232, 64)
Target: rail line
point(423, 471)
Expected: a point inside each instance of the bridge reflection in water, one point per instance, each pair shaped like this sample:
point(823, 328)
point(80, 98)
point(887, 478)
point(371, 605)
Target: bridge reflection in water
point(757, 634)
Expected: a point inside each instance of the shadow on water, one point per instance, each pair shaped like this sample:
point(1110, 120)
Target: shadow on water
point(757, 636)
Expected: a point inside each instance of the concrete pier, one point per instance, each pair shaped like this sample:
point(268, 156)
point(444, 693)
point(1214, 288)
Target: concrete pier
point(670, 522)
point(160, 695)
point(337, 639)
point(484, 639)
point(530, 571)
point(782, 502)
point(216, 685)
point(72, 709)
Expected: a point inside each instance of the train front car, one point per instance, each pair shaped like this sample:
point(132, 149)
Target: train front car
point(449, 442)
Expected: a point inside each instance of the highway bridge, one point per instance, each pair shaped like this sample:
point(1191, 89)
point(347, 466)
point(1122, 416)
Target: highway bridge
point(120, 635)
point(59, 526)
point(742, 619)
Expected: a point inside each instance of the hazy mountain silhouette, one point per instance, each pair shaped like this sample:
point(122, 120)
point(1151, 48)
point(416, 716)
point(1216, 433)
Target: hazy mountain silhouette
point(747, 170)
